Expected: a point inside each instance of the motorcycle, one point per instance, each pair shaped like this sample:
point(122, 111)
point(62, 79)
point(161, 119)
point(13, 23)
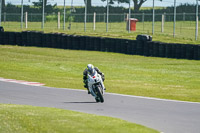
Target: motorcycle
point(96, 86)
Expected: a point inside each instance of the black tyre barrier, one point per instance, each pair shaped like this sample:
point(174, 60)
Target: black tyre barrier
point(83, 43)
point(140, 47)
point(1, 37)
point(6, 38)
point(59, 40)
point(168, 50)
point(18, 38)
point(118, 45)
point(49, 42)
point(24, 38)
point(29, 39)
point(103, 48)
point(178, 51)
point(156, 49)
point(173, 53)
point(189, 51)
point(162, 47)
point(150, 45)
point(97, 44)
point(38, 39)
point(32, 36)
point(87, 40)
point(12, 38)
point(129, 47)
point(108, 45)
point(146, 49)
point(44, 40)
point(64, 41)
point(135, 47)
point(198, 58)
point(76, 42)
point(196, 52)
point(124, 43)
point(113, 43)
point(183, 51)
point(54, 40)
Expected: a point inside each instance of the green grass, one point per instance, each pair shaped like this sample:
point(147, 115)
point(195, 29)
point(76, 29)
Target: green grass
point(185, 30)
point(125, 74)
point(29, 119)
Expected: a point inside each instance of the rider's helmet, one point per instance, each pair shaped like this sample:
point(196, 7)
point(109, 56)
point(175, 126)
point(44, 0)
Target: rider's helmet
point(90, 69)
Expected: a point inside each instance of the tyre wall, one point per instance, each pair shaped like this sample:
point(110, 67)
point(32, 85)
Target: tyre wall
point(126, 46)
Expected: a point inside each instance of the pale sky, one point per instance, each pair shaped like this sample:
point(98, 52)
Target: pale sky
point(100, 3)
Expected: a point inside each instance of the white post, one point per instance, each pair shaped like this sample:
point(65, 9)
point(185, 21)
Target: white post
point(43, 6)
point(22, 13)
point(94, 21)
point(174, 32)
point(64, 16)
point(0, 10)
point(107, 20)
point(197, 21)
point(58, 20)
point(153, 18)
point(26, 20)
point(163, 22)
point(85, 19)
point(129, 17)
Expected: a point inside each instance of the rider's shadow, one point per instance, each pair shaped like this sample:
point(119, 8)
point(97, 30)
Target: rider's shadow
point(81, 102)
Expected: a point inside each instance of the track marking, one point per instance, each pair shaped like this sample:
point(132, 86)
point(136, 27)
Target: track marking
point(22, 82)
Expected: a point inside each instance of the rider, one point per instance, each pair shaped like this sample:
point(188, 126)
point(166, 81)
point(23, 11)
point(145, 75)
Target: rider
point(90, 69)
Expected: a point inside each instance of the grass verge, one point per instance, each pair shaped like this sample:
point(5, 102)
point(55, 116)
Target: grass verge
point(29, 119)
point(125, 74)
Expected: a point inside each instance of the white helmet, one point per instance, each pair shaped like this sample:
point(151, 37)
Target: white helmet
point(90, 69)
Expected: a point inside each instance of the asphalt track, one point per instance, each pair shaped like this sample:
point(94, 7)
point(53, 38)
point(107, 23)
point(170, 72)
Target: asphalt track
point(163, 115)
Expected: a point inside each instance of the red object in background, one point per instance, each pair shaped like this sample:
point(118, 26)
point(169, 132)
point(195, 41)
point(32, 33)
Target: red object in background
point(133, 22)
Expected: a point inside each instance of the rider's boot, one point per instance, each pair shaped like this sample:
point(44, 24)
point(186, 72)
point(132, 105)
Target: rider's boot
point(87, 88)
point(88, 91)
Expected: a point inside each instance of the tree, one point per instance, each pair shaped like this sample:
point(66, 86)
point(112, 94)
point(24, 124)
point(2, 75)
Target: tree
point(3, 5)
point(137, 3)
point(89, 4)
point(40, 3)
point(48, 7)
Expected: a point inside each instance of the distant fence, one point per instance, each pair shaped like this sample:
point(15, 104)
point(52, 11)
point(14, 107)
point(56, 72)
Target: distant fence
point(100, 17)
point(74, 42)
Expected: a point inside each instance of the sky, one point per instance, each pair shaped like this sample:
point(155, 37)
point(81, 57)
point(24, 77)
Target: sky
point(149, 3)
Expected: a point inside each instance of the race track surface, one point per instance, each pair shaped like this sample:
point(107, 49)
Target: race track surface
point(163, 115)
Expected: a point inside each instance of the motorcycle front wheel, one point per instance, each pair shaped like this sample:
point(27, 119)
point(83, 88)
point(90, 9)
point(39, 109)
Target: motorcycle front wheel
point(99, 95)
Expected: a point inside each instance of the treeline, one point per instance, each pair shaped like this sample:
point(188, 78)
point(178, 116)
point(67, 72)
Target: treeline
point(9, 8)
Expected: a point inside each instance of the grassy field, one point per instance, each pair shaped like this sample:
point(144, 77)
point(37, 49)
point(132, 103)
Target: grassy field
point(185, 30)
point(29, 119)
point(125, 74)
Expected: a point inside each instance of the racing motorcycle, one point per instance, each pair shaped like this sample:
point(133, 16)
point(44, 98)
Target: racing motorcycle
point(96, 86)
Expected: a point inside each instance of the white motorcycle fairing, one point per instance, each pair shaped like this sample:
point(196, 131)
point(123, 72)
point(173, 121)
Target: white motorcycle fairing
point(96, 86)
